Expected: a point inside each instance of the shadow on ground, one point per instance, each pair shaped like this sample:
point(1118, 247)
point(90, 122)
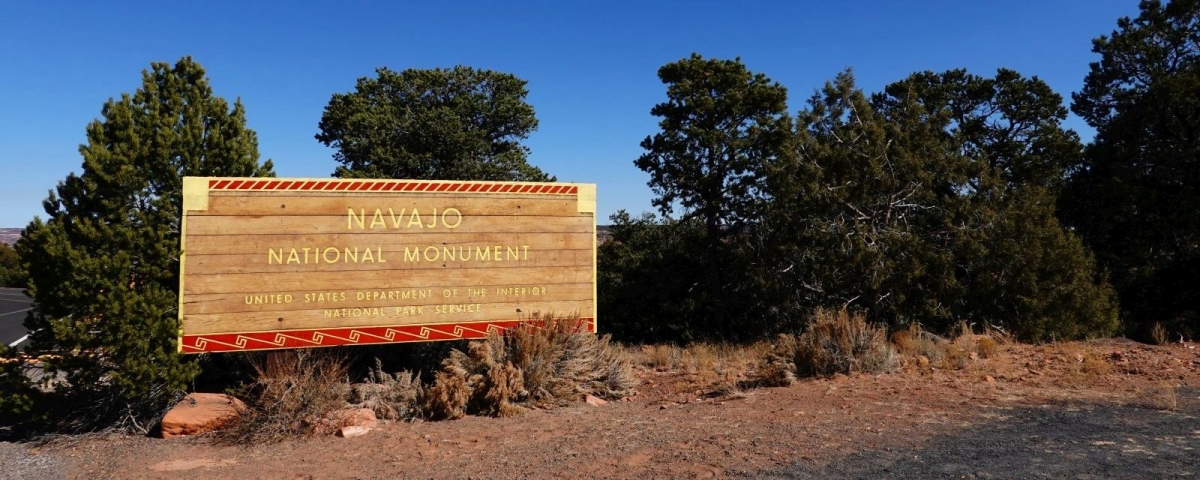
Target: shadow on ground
point(1051, 441)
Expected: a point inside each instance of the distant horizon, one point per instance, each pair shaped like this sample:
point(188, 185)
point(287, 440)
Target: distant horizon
point(591, 68)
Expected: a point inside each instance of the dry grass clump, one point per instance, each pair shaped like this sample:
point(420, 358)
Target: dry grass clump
point(708, 366)
point(545, 363)
point(954, 353)
point(1158, 334)
point(1162, 397)
point(295, 393)
point(392, 396)
point(836, 342)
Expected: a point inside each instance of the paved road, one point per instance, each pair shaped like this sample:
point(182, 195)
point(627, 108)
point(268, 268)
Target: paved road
point(14, 305)
point(1054, 441)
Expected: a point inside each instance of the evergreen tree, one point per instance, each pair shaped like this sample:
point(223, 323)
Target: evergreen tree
point(858, 217)
point(720, 127)
point(1135, 198)
point(104, 266)
point(1020, 268)
point(933, 202)
point(11, 273)
point(445, 124)
point(648, 277)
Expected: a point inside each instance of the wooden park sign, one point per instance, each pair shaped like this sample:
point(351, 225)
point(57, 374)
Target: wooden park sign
point(273, 263)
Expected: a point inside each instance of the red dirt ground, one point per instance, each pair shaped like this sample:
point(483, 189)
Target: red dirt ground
point(668, 429)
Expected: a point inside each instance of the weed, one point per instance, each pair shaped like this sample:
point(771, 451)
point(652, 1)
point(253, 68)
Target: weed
point(546, 362)
point(836, 342)
point(1158, 334)
point(392, 396)
point(294, 393)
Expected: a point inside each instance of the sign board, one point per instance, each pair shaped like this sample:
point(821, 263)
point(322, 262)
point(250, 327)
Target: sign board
point(273, 263)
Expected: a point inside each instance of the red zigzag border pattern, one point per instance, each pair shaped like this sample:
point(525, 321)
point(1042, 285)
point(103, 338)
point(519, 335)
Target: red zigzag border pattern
point(329, 337)
point(391, 186)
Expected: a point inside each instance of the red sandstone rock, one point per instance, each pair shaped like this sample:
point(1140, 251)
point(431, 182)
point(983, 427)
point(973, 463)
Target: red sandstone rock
point(594, 401)
point(200, 413)
point(352, 431)
point(358, 417)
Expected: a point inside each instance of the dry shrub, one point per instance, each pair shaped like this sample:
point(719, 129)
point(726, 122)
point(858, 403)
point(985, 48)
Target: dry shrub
point(544, 363)
point(986, 346)
point(841, 342)
point(294, 393)
point(662, 357)
point(391, 396)
point(1158, 334)
point(777, 368)
point(447, 398)
point(836, 342)
point(954, 353)
point(915, 342)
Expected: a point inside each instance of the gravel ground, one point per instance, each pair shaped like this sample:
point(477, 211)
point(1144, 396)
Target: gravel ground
point(1053, 441)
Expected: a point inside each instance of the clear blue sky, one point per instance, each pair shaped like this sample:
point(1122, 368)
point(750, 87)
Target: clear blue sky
point(591, 66)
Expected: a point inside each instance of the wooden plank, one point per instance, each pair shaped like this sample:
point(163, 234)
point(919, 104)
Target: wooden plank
point(198, 284)
point(260, 262)
point(301, 225)
point(297, 300)
point(258, 244)
point(308, 319)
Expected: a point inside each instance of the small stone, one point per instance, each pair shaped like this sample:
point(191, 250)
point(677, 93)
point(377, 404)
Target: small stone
point(352, 431)
point(594, 401)
point(989, 379)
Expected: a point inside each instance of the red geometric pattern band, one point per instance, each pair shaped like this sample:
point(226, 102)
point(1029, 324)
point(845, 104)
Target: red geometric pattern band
point(391, 186)
point(329, 337)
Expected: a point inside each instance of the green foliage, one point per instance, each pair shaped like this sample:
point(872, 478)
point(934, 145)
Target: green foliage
point(647, 279)
point(1017, 267)
point(859, 217)
point(720, 126)
point(445, 124)
point(12, 275)
point(1134, 198)
point(933, 203)
point(104, 266)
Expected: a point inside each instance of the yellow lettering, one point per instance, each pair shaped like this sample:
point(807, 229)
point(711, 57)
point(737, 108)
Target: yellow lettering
point(396, 218)
point(361, 218)
point(457, 216)
point(377, 219)
point(273, 256)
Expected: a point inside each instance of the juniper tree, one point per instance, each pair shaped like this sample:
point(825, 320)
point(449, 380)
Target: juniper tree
point(446, 124)
point(104, 265)
point(933, 202)
point(1135, 197)
point(1020, 268)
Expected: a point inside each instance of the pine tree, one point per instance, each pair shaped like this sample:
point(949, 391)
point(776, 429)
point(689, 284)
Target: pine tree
point(721, 126)
point(104, 266)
